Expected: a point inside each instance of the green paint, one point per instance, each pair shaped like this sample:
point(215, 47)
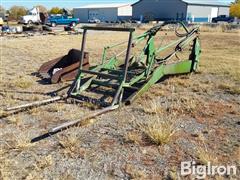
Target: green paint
point(178, 68)
point(152, 72)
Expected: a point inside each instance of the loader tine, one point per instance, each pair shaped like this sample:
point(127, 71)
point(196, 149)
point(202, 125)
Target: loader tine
point(90, 116)
point(36, 103)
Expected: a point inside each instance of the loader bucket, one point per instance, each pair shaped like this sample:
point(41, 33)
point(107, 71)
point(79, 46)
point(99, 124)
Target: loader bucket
point(64, 68)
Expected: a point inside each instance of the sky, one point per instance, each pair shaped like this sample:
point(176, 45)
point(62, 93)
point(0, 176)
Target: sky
point(66, 3)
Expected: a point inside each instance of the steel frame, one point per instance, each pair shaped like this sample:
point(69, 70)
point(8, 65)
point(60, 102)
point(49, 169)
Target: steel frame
point(153, 71)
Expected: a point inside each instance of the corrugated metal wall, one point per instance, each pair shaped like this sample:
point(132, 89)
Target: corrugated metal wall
point(104, 14)
point(160, 9)
point(198, 13)
point(154, 10)
point(223, 11)
point(82, 14)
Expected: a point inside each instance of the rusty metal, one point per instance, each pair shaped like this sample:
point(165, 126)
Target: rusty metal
point(81, 57)
point(36, 103)
point(68, 67)
point(90, 116)
point(68, 73)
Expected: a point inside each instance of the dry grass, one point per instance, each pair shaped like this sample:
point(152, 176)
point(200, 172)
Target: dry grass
point(70, 143)
point(134, 173)
point(67, 175)
point(173, 174)
point(22, 141)
point(220, 56)
point(57, 107)
point(14, 120)
point(204, 154)
point(87, 122)
point(23, 82)
point(219, 28)
point(5, 168)
point(90, 106)
point(187, 104)
point(43, 162)
point(36, 111)
point(231, 88)
point(154, 107)
point(159, 129)
point(9, 99)
point(35, 97)
point(3, 113)
point(182, 104)
point(133, 137)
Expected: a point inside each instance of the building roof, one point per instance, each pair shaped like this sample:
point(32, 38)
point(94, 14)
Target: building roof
point(201, 2)
point(207, 2)
point(112, 5)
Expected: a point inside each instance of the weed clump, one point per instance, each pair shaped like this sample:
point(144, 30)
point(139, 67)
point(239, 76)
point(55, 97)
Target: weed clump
point(23, 83)
point(160, 131)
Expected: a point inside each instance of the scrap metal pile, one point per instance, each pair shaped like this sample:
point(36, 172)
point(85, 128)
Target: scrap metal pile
point(113, 82)
point(64, 68)
point(25, 30)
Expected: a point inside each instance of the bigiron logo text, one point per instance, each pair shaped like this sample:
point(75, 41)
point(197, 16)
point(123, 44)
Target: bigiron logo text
point(203, 171)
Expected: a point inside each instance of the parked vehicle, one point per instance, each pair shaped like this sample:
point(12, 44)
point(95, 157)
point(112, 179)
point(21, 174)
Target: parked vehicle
point(223, 18)
point(32, 17)
point(94, 20)
point(62, 20)
point(1, 22)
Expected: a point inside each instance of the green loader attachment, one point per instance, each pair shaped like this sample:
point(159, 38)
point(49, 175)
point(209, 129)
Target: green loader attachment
point(121, 78)
point(131, 78)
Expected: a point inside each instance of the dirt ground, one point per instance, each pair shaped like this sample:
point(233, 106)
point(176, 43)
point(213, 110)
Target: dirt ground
point(199, 114)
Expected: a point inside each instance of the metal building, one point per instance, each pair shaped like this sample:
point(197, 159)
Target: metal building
point(103, 12)
point(190, 10)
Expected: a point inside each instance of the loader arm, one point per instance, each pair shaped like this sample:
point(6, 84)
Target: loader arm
point(137, 78)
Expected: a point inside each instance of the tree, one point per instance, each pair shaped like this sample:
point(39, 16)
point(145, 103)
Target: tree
point(41, 8)
point(17, 11)
point(235, 9)
point(2, 10)
point(56, 10)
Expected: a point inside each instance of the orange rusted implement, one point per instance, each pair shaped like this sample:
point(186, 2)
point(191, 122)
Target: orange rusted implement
point(64, 68)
